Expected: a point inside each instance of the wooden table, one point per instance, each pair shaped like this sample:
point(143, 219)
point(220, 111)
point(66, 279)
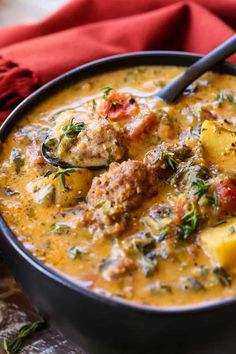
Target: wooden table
point(16, 311)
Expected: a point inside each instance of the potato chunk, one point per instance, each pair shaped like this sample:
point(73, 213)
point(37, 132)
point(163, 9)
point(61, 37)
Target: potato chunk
point(219, 243)
point(219, 144)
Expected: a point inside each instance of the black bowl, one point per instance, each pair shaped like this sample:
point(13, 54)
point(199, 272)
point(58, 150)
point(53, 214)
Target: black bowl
point(103, 325)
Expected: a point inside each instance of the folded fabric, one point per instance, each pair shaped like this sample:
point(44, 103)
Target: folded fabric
point(84, 30)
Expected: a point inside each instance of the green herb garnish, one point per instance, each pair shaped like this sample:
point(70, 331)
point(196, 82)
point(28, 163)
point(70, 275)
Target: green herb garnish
point(62, 173)
point(148, 266)
point(170, 161)
point(47, 174)
point(76, 252)
point(189, 223)
point(162, 235)
point(106, 91)
point(222, 97)
point(73, 129)
point(17, 159)
point(60, 228)
point(14, 345)
point(221, 222)
point(213, 200)
point(222, 276)
point(201, 186)
point(94, 105)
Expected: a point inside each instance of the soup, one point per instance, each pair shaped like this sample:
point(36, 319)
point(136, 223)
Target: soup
point(146, 208)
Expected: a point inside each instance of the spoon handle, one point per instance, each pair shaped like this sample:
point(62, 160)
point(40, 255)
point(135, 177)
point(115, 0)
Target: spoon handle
point(171, 91)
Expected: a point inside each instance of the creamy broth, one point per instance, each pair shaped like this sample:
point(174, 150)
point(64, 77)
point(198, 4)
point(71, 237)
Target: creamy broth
point(156, 227)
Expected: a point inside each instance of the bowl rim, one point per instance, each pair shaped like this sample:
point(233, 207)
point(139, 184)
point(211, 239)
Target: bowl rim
point(51, 272)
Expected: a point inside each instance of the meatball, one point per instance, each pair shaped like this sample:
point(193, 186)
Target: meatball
point(124, 185)
point(85, 140)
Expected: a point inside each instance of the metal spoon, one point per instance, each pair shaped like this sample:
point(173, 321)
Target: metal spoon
point(170, 92)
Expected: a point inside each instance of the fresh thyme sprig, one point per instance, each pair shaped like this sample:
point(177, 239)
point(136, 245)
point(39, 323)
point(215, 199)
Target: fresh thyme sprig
point(189, 223)
point(201, 186)
point(62, 173)
point(14, 345)
point(73, 128)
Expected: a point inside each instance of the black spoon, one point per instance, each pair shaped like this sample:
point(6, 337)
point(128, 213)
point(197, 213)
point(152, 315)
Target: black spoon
point(169, 93)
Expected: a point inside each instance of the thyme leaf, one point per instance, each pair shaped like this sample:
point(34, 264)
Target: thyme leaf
point(73, 128)
point(201, 186)
point(62, 173)
point(14, 345)
point(213, 200)
point(189, 223)
point(106, 91)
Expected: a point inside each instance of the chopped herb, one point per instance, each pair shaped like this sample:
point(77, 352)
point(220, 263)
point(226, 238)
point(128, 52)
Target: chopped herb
point(106, 91)
point(232, 230)
point(219, 223)
point(73, 129)
point(60, 228)
point(213, 200)
point(220, 99)
point(94, 105)
point(17, 159)
point(170, 161)
point(162, 235)
point(189, 223)
point(14, 345)
point(50, 142)
point(201, 186)
point(148, 266)
point(63, 173)
point(222, 276)
point(76, 252)
point(114, 104)
point(191, 283)
point(47, 174)
point(8, 191)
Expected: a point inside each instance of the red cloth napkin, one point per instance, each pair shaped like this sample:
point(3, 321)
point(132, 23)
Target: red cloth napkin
point(85, 30)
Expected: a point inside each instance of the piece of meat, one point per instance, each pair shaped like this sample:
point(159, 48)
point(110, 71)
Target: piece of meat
point(125, 184)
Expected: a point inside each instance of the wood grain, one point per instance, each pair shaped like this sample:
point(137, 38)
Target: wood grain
point(16, 311)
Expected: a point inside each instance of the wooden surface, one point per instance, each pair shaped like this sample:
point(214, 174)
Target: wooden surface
point(15, 311)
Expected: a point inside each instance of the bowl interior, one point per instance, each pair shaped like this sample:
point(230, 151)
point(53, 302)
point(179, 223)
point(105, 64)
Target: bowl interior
point(65, 80)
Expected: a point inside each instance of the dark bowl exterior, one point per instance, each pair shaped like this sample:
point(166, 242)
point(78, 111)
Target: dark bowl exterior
point(101, 325)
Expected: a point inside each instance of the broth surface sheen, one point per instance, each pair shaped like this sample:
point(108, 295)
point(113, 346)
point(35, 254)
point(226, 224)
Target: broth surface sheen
point(157, 226)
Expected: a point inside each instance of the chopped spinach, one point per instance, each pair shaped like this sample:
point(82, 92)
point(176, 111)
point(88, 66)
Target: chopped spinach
point(17, 159)
point(222, 276)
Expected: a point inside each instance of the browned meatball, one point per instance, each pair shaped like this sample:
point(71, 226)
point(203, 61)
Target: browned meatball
point(124, 185)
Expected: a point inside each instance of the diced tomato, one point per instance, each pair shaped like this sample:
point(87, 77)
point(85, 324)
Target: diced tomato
point(34, 152)
point(180, 209)
point(140, 125)
point(119, 106)
point(226, 193)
